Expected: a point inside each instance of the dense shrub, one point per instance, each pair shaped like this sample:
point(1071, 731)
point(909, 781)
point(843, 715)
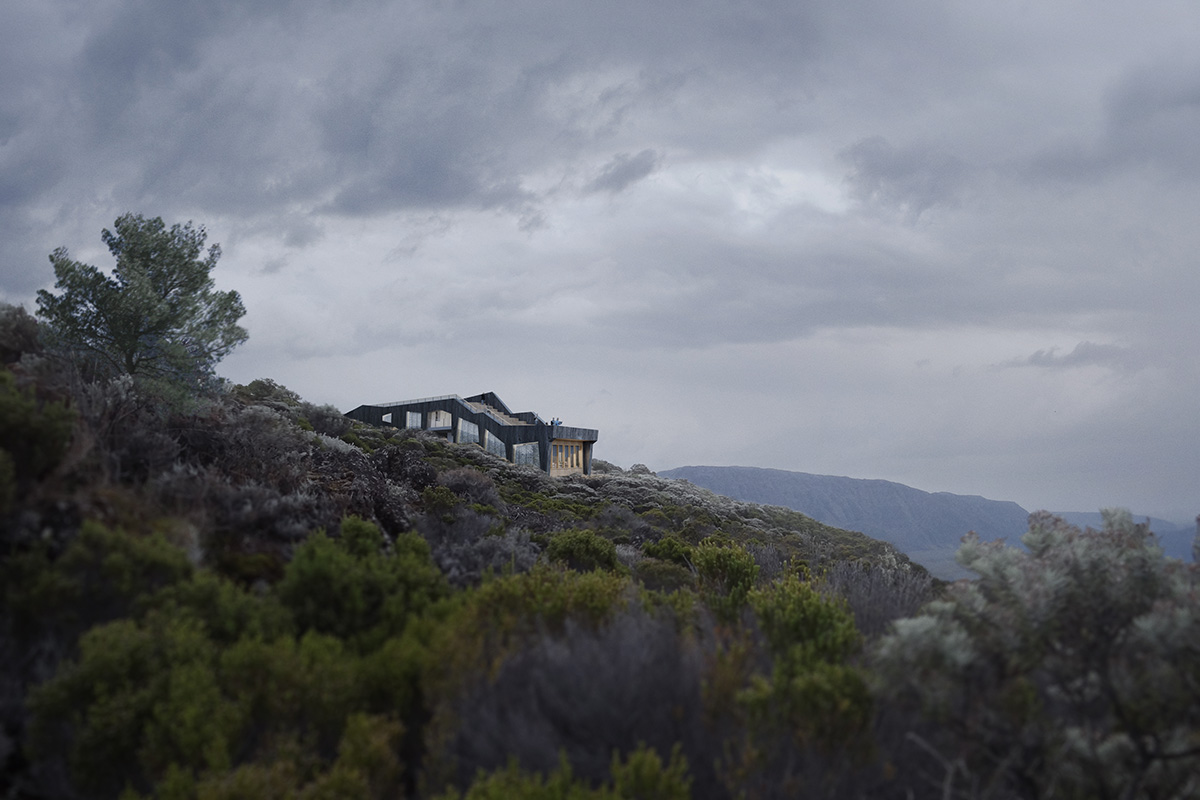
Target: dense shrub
point(99, 577)
point(403, 465)
point(252, 443)
point(18, 333)
point(495, 615)
point(158, 706)
point(602, 467)
point(134, 433)
point(326, 419)
point(773, 561)
point(488, 624)
point(588, 692)
point(727, 574)
point(671, 548)
point(1067, 670)
point(563, 509)
point(877, 594)
point(641, 775)
point(812, 692)
point(359, 489)
point(794, 708)
point(34, 434)
point(268, 392)
point(469, 541)
point(582, 550)
point(664, 576)
point(628, 556)
point(471, 485)
point(8, 482)
point(616, 521)
point(207, 690)
point(352, 589)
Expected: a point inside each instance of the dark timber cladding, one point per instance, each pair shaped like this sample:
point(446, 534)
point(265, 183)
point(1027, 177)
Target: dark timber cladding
point(522, 438)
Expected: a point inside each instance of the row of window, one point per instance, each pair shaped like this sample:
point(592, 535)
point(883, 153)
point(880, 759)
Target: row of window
point(562, 456)
point(412, 419)
point(566, 456)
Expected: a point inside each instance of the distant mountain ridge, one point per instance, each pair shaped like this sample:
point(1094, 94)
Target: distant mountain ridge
point(926, 526)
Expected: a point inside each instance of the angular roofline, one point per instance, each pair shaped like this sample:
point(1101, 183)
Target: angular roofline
point(482, 412)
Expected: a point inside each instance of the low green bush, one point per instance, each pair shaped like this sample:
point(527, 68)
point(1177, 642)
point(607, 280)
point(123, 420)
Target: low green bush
point(33, 433)
point(640, 776)
point(207, 690)
point(157, 706)
point(582, 550)
point(101, 575)
point(484, 624)
point(671, 548)
point(266, 390)
point(439, 500)
point(569, 510)
point(727, 574)
point(480, 628)
point(664, 576)
point(353, 438)
point(352, 589)
point(813, 691)
point(8, 482)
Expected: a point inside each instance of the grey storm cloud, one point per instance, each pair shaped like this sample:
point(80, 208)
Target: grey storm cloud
point(1150, 115)
point(831, 190)
point(1084, 354)
point(1154, 114)
point(386, 106)
point(912, 179)
point(624, 169)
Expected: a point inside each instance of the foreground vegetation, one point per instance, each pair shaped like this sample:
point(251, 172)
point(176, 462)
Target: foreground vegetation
point(233, 593)
point(250, 596)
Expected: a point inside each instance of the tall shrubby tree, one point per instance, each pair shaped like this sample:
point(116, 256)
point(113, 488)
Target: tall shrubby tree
point(157, 317)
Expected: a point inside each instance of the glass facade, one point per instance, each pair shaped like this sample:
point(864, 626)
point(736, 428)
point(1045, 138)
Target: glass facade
point(414, 420)
point(495, 446)
point(468, 432)
point(526, 454)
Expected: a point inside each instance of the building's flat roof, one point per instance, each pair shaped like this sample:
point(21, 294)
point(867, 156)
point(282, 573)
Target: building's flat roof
point(418, 400)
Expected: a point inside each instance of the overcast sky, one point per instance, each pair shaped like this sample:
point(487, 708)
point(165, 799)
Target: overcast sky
point(949, 244)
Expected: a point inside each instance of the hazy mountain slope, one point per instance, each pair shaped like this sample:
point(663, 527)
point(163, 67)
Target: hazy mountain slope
point(927, 526)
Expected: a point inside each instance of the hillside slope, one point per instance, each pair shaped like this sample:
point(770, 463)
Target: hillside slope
point(374, 578)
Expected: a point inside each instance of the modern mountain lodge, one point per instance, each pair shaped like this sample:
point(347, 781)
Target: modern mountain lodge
point(522, 438)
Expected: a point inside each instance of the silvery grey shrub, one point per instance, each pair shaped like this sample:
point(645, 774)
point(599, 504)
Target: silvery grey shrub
point(1071, 669)
point(877, 594)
